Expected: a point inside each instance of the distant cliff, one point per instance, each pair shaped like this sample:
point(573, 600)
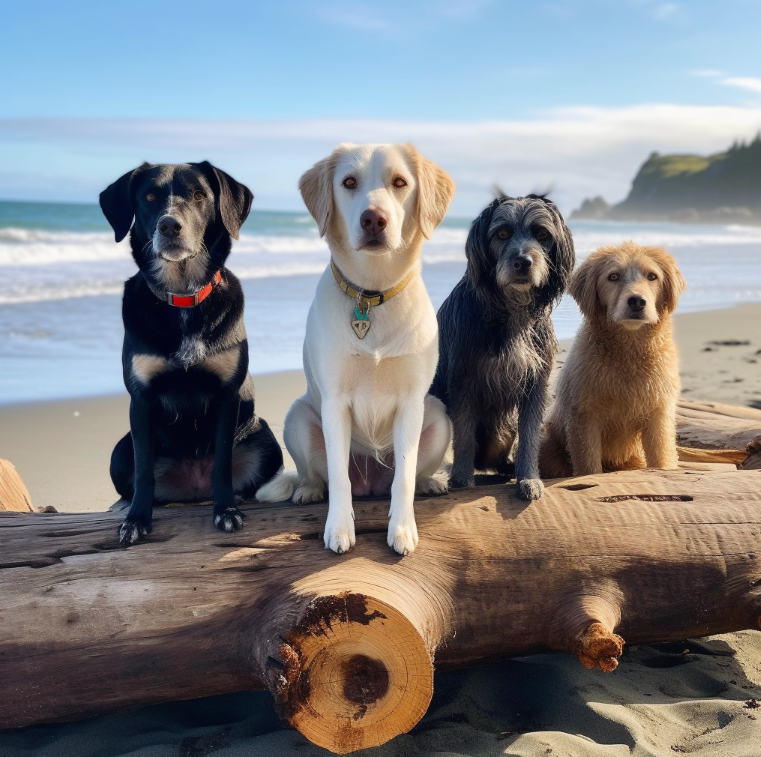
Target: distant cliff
point(722, 188)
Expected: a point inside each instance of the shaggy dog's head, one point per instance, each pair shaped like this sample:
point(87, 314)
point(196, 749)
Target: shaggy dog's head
point(183, 218)
point(628, 285)
point(520, 252)
point(375, 199)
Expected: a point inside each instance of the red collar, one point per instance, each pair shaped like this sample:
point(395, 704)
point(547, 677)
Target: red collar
point(190, 300)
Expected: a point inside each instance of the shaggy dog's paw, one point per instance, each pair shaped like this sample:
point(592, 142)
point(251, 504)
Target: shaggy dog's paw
point(462, 482)
point(339, 537)
point(229, 520)
point(430, 486)
point(402, 537)
point(132, 531)
point(530, 488)
point(306, 494)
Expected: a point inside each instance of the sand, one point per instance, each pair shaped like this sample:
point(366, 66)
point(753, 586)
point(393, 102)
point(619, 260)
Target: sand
point(691, 697)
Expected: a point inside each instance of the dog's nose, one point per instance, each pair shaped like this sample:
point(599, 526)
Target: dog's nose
point(372, 221)
point(636, 303)
point(170, 227)
point(522, 263)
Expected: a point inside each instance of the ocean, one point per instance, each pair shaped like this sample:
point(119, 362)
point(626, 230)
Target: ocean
point(62, 277)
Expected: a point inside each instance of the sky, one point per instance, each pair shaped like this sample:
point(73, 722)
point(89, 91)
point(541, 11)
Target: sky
point(570, 95)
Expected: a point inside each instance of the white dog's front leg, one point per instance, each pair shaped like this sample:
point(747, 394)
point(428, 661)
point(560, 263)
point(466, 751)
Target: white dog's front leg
point(408, 425)
point(336, 428)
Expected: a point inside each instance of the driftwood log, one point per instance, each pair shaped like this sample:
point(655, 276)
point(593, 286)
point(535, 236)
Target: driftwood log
point(14, 496)
point(347, 645)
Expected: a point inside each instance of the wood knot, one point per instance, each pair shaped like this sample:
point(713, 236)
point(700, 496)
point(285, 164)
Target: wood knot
point(365, 679)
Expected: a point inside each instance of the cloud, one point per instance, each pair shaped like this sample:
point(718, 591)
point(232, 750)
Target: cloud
point(461, 10)
point(708, 73)
point(584, 151)
point(354, 16)
point(743, 82)
point(666, 11)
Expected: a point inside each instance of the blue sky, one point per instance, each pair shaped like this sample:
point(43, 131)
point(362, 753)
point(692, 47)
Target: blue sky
point(574, 94)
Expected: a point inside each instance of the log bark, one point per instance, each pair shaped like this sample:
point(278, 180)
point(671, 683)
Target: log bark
point(347, 644)
point(712, 425)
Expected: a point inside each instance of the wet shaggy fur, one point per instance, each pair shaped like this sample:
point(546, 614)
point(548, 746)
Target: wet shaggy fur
point(615, 406)
point(497, 342)
point(194, 434)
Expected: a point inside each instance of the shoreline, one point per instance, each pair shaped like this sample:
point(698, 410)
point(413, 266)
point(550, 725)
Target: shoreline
point(62, 448)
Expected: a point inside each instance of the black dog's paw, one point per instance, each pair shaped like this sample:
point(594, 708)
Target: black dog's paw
point(229, 520)
point(530, 488)
point(462, 482)
point(132, 531)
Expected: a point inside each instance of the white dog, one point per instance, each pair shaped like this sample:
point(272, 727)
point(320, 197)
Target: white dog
point(367, 423)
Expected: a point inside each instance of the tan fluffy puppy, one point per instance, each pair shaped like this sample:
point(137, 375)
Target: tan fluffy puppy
point(616, 395)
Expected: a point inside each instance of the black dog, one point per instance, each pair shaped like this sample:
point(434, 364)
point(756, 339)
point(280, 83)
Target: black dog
point(497, 342)
point(194, 433)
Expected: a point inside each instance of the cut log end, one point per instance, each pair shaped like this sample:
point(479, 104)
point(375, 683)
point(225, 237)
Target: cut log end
point(356, 673)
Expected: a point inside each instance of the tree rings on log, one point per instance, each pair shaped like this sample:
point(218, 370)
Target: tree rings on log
point(356, 673)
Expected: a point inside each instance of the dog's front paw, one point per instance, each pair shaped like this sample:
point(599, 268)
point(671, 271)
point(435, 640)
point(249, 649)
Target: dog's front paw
point(132, 531)
point(530, 488)
point(230, 519)
point(339, 534)
point(462, 482)
point(306, 494)
point(430, 487)
point(402, 537)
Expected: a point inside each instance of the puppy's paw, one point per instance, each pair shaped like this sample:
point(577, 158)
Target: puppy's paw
point(428, 486)
point(306, 494)
point(530, 488)
point(462, 482)
point(132, 531)
point(402, 536)
point(339, 537)
point(229, 520)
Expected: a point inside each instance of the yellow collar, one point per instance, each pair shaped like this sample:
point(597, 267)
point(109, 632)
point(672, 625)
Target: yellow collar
point(367, 299)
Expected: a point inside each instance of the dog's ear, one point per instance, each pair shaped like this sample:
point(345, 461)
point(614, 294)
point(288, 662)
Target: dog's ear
point(118, 203)
point(316, 187)
point(673, 281)
point(234, 198)
point(563, 253)
point(480, 264)
point(435, 192)
point(583, 287)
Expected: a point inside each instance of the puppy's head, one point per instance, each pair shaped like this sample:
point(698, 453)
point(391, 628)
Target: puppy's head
point(520, 249)
point(180, 212)
point(375, 199)
point(628, 285)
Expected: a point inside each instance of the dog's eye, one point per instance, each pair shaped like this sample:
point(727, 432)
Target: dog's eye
point(542, 235)
point(399, 182)
point(503, 234)
point(150, 197)
point(198, 195)
point(350, 182)
point(652, 277)
point(614, 277)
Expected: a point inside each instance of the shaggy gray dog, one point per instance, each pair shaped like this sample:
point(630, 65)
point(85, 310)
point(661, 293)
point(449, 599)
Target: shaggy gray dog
point(497, 342)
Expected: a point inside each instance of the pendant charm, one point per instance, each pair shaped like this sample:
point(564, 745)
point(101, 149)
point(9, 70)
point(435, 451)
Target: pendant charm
point(361, 322)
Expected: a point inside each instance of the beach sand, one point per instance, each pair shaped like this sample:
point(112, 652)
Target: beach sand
point(692, 697)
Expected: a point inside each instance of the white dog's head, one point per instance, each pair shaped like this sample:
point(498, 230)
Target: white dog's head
point(628, 285)
point(375, 199)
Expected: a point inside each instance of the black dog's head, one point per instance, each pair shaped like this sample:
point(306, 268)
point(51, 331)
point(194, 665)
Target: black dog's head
point(520, 251)
point(183, 216)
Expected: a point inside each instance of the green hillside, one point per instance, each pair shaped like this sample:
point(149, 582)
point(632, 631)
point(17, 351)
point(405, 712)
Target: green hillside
point(725, 187)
